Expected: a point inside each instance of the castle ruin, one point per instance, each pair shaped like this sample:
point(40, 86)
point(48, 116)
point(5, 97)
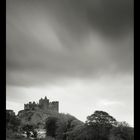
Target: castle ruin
point(44, 104)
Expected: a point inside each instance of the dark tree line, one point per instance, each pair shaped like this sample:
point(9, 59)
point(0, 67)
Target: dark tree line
point(12, 122)
point(14, 126)
point(98, 126)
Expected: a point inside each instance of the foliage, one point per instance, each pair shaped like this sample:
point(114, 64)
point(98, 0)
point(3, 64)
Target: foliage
point(123, 131)
point(60, 125)
point(100, 124)
point(12, 122)
point(101, 118)
point(29, 129)
point(50, 126)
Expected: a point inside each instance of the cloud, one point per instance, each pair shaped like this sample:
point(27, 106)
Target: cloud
point(110, 17)
point(14, 106)
point(32, 60)
point(78, 52)
point(108, 103)
point(56, 39)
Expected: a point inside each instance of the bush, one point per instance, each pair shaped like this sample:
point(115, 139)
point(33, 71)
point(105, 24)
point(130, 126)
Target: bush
point(122, 131)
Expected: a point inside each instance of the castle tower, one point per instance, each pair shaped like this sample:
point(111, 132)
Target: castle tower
point(54, 106)
point(44, 103)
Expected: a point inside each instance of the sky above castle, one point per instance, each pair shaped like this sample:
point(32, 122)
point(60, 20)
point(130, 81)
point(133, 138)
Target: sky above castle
point(75, 51)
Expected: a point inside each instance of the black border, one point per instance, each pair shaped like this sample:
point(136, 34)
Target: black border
point(3, 70)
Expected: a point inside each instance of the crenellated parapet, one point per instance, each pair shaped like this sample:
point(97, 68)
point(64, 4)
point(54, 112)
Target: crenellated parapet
point(44, 104)
point(54, 106)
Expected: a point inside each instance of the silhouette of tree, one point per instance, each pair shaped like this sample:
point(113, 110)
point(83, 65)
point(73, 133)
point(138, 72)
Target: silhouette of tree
point(12, 122)
point(50, 126)
point(101, 118)
point(28, 128)
point(101, 122)
point(122, 131)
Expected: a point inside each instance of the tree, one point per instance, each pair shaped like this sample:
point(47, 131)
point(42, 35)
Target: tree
point(122, 124)
point(61, 125)
point(122, 131)
point(101, 122)
point(65, 125)
point(12, 122)
point(28, 128)
point(101, 118)
point(81, 132)
point(50, 126)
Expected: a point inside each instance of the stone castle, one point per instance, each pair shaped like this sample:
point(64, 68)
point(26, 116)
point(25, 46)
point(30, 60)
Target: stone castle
point(44, 104)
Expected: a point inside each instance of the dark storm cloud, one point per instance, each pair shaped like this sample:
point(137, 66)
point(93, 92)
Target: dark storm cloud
point(110, 16)
point(49, 40)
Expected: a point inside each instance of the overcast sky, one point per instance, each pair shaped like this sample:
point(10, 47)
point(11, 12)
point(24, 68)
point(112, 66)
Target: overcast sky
point(79, 52)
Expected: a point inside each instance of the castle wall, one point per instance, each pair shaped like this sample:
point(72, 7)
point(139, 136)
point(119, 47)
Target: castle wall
point(44, 104)
point(54, 106)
